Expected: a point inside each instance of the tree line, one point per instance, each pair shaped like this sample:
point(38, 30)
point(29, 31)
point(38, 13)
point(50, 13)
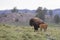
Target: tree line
point(41, 12)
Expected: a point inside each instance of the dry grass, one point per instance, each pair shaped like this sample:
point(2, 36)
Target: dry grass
point(27, 33)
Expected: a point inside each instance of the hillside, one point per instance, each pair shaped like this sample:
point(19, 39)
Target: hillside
point(22, 16)
point(16, 18)
point(10, 32)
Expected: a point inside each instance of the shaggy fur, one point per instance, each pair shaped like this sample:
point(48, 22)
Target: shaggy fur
point(37, 23)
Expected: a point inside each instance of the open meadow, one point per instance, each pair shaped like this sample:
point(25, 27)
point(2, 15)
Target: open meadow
point(11, 32)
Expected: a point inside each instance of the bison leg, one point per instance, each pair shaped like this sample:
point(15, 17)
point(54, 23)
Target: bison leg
point(40, 29)
point(45, 29)
point(35, 27)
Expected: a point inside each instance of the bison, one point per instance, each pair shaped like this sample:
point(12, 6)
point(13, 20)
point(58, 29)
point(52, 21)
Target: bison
point(38, 23)
point(43, 26)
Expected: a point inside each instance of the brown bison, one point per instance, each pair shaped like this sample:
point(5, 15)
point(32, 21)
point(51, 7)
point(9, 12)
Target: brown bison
point(43, 26)
point(37, 23)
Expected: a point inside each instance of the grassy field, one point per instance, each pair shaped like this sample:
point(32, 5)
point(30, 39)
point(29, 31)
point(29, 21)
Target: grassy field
point(9, 32)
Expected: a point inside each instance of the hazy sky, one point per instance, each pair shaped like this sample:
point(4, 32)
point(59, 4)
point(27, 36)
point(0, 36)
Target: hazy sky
point(29, 4)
